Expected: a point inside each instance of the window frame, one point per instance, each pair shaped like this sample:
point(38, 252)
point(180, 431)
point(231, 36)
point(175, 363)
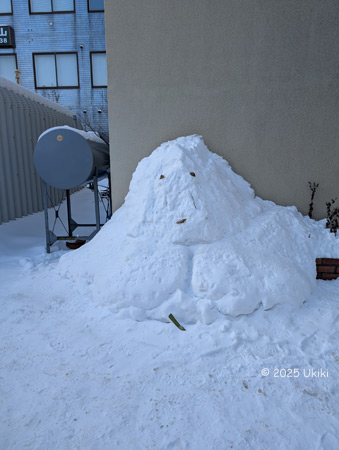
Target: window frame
point(50, 12)
point(16, 61)
point(94, 10)
point(90, 57)
point(56, 70)
point(10, 13)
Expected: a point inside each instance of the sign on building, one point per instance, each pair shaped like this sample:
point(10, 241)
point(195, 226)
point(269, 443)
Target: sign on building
point(6, 36)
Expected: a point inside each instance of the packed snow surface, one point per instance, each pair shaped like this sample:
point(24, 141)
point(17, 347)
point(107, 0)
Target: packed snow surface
point(192, 240)
point(75, 376)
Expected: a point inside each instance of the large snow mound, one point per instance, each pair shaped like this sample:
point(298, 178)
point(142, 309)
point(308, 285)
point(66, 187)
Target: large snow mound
point(193, 240)
point(183, 181)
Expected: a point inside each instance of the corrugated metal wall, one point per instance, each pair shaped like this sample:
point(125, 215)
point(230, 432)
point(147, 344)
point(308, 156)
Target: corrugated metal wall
point(24, 115)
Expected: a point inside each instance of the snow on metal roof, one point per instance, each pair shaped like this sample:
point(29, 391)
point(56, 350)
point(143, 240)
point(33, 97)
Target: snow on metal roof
point(13, 88)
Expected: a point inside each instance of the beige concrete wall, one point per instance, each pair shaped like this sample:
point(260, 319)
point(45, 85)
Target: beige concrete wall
point(258, 79)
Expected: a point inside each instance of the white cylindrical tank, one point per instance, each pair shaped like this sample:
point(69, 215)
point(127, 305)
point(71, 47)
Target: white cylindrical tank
point(67, 158)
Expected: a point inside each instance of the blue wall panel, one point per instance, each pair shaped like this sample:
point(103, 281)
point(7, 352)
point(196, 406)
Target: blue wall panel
point(81, 32)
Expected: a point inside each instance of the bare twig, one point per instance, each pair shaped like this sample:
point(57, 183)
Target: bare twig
point(313, 186)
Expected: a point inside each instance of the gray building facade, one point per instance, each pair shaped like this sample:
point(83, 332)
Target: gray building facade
point(58, 47)
point(257, 79)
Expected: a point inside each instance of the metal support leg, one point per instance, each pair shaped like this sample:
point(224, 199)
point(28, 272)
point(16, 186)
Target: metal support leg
point(69, 212)
point(44, 198)
point(109, 196)
point(51, 238)
point(96, 202)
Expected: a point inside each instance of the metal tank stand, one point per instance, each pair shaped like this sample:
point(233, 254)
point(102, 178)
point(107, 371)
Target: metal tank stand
point(51, 237)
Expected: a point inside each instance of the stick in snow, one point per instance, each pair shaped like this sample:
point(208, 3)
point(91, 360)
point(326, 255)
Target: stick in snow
point(176, 323)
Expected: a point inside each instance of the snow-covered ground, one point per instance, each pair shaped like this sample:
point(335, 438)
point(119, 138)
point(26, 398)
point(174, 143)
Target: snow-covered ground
point(83, 365)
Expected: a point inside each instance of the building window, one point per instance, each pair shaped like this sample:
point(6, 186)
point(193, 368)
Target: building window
point(6, 7)
point(56, 70)
point(95, 5)
point(51, 6)
point(8, 67)
point(98, 69)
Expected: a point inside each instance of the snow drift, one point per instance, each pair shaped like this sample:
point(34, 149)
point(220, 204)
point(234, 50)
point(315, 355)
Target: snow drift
point(193, 240)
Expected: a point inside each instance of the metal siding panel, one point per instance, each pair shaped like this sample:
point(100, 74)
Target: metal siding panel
point(8, 166)
point(29, 143)
point(17, 163)
point(21, 112)
point(20, 152)
point(35, 135)
point(23, 117)
point(4, 194)
point(35, 179)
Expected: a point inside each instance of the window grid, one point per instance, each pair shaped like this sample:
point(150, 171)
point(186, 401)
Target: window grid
point(52, 9)
point(91, 9)
point(56, 71)
point(16, 62)
point(8, 13)
point(92, 81)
